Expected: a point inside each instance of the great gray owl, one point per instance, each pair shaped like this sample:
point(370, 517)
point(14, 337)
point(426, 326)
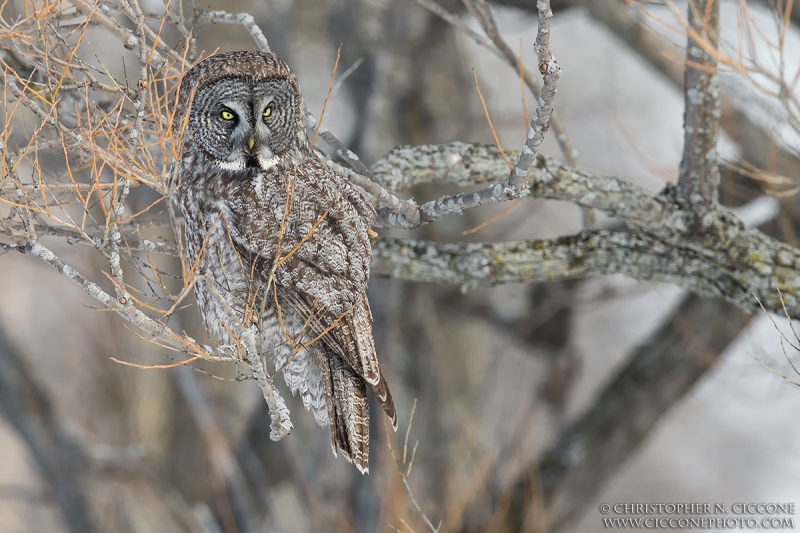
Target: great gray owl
point(284, 239)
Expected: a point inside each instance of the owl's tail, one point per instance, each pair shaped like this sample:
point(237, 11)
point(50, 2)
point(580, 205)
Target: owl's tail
point(348, 412)
point(345, 384)
point(381, 391)
point(360, 322)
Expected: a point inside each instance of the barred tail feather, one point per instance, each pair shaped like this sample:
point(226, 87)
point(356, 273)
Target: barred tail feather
point(384, 396)
point(361, 321)
point(348, 411)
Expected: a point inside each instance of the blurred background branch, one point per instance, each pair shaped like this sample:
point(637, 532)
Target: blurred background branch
point(58, 456)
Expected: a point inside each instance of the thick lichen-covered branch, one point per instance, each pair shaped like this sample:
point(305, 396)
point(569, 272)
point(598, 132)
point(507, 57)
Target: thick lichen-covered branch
point(466, 164)
point(738, 266)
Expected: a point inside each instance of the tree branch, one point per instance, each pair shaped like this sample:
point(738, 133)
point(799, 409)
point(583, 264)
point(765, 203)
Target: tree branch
point(660, 372)
point(757, 144)
point(699, 172)
point(735, 266)
point(514, 186)
point(222, 457)
point(245, 19)
point(483, 14)
point(467, 164)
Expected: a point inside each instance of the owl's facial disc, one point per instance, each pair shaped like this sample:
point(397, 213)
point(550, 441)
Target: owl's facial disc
point(244, 124)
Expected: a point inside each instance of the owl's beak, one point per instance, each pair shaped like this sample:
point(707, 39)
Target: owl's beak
point(251, 143)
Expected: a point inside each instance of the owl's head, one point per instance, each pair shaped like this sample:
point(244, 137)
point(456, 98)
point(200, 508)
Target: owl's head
point(244, 110)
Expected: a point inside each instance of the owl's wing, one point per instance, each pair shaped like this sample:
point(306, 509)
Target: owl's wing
point(322, 283)
point(345, 328)
point(345, 349)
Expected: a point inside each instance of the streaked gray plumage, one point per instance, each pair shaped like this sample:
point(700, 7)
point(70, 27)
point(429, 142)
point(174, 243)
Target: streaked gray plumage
point(283, 237)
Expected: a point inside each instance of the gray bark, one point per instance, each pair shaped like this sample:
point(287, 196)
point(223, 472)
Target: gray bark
point(699, 173)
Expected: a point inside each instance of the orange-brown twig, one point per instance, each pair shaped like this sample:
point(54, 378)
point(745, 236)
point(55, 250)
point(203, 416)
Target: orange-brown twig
point(327, 96)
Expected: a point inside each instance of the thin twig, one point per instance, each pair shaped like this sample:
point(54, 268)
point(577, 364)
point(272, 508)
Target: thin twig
point(327, 96)
point(516, 183)
point(245, 19)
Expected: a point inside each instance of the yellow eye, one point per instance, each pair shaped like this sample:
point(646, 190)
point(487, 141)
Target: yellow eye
point(267, 111)
point(226, 115)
